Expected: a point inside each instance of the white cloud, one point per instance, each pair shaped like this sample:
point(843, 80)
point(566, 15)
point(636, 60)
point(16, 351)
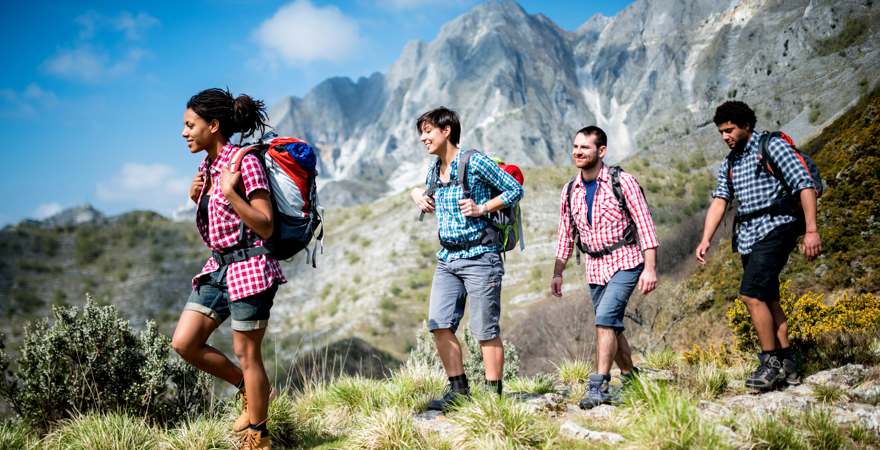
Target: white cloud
point(87, 60)
point(302, 32)
point(132, 26)
point(47, 210)
point(25, 103)
point(85, 63)
point(145, 186)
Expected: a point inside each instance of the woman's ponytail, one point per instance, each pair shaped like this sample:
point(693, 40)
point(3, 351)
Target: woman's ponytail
point(239, 115)
point(249, 115)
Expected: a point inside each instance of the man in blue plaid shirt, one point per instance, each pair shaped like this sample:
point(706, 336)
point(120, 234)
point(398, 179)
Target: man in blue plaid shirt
point(468, 264)
point(770, 217)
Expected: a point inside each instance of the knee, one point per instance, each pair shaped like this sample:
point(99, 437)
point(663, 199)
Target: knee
point(182, 348)
point(750, 301)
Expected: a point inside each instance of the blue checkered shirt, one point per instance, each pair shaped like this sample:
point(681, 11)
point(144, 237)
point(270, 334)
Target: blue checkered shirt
point(484, 177)
point(757, 189)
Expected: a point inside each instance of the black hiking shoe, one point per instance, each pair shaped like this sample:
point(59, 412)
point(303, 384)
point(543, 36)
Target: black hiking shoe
point(768, 375)
point(791, 370)
point(451, 395)
point(598, 392)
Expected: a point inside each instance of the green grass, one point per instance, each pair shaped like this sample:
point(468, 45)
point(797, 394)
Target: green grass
point(389, 428)
point(666, 418)
point(110, 431)
point(538, 384)
point(827, 394)
point(573, 371)
point(663, 359)
point(490, 421)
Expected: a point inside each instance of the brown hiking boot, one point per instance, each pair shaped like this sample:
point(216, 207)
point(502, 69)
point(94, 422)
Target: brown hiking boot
point(254, 441)
point(243, 420)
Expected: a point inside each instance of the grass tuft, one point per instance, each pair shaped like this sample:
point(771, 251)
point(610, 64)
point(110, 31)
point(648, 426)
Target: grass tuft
point(574, 371)
point(490, 421)
point(103, 431)
point(390, 428)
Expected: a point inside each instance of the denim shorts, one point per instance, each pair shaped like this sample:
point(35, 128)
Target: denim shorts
point(477, 279)
point(610, 299)
point(211, 298)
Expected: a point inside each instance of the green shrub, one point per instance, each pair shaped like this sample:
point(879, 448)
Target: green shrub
point(90, 359)
point(663, 359)
point(473, 359)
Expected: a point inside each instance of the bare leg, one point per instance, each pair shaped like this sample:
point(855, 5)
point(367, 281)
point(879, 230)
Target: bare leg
point(780, 324)
point(189, 341)
point(623, 357)
point(762, 319)
point(246, 345)
point(493, 358)
point(449, 350)
point(606, 346)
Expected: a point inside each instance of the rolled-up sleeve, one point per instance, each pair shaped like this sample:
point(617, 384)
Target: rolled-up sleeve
point(511, 190)
point(564, 240)
point(638, 209)
point(794, 172)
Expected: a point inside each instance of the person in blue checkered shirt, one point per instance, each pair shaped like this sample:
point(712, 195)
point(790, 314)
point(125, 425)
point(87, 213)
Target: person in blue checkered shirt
point(771, 215)
point(469, 264)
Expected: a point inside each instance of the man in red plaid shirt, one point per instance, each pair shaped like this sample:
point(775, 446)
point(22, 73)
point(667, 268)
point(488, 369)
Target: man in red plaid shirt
point(620, 242)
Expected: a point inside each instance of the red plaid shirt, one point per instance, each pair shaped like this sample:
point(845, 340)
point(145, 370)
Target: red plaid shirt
point(609, 222)
point(243, 278)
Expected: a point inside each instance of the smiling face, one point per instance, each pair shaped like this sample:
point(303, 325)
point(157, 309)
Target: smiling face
point(584, 152)
point(735, 137)
point(198, 133)
point(434, 138)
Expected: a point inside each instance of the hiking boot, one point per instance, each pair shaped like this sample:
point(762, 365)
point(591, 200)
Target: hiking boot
point(451, 395)
point(243, 420)
point(768, 375)
point(597, 391)
point(254, 440)
point(791, 370)
point(627, 379)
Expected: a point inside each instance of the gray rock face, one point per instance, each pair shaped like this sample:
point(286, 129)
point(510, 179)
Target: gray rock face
point(576, 431)
point(650, 76)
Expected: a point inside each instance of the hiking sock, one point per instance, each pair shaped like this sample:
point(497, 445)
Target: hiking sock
point(494, 385)
point(459, 382)
point(785, 353)
point(261, 427)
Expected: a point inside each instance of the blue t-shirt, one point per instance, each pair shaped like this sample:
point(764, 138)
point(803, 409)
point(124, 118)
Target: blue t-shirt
point(590, 187)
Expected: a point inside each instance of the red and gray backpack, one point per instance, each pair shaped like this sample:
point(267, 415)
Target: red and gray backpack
point(505, 225)
point(789, 203)
point(291, 167)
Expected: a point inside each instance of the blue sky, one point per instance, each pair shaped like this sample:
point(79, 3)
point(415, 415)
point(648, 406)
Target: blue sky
point(92, 93)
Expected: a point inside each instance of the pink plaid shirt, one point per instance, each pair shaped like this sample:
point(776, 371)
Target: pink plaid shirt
point(243, 278)
point(609, 222)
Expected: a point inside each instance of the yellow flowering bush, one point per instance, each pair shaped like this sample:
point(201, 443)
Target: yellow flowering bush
point(844, 331)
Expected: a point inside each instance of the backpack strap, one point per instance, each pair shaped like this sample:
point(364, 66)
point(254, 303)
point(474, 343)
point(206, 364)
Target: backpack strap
point(575, 234)
point(461, 172)
point(433, 180)
point(767, 162)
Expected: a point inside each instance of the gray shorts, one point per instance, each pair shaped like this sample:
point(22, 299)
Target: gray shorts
point(609, 300)
point(477, 279)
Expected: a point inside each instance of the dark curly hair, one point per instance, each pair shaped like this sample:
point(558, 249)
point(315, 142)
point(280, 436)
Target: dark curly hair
point(241, 114)
point(737, 112)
